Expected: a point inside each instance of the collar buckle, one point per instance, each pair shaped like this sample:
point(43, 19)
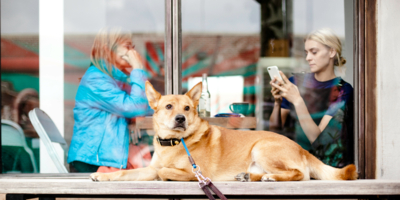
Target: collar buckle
point(168, 142)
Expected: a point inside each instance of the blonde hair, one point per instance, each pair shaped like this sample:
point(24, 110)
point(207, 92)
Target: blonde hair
point(106, 38)
point(326, 37)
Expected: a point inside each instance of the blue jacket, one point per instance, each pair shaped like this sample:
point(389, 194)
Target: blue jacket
point(102, 108)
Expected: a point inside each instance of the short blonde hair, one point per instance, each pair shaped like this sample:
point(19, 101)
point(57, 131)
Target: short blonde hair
point(326, 37)
point(108, 38)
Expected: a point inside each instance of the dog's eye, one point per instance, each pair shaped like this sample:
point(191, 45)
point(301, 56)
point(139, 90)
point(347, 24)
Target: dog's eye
point(187, 108)
point(169, 106)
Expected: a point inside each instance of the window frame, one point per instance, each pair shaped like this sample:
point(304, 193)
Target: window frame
point(365, 59)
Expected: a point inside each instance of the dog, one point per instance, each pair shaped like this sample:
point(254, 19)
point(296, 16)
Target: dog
point(222, 154)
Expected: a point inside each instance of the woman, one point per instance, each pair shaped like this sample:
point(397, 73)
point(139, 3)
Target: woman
point(320, 103)
point(111, 92)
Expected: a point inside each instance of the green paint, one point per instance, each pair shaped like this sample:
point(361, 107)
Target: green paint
point(153, 65)
point(196, 67)
point(76, 58)
point(249, 90)
point(21, 81)
point(247, 71)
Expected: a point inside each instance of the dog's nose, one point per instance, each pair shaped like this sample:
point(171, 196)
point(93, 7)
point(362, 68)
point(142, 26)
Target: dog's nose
point(180, 118)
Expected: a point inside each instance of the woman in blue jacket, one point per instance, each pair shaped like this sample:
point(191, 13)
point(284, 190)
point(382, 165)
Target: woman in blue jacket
point(110, 93)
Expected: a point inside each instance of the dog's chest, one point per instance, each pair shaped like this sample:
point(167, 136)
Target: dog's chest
point(174, 159)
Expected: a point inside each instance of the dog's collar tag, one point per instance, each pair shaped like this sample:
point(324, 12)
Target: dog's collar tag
point(168, 142)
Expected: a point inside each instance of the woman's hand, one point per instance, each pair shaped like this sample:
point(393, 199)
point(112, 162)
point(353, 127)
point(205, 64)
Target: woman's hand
point(276, 93)
point(133, 58)
point(286, 89)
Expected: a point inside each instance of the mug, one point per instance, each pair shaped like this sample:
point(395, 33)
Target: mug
point(239, 108)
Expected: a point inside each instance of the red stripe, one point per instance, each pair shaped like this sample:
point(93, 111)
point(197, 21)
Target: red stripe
point(152, 52)
point(20, 64)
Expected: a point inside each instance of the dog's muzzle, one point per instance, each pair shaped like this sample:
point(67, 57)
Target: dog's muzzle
point(180, 122)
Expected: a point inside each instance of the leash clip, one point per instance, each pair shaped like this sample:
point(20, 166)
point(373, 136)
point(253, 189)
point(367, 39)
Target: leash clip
point(202, 180)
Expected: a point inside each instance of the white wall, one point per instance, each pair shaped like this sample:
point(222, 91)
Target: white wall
point(388, 90)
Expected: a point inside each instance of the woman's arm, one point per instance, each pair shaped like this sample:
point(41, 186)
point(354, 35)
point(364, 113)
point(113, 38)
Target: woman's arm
point(102, 92)
point(310, 128)
point(290, 91)
point(279, 114)
point(278, 117)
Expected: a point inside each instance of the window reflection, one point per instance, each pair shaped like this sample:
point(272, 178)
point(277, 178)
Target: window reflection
point(143, 20)
point(232, 41)
point(224, 44)
point(19, 85)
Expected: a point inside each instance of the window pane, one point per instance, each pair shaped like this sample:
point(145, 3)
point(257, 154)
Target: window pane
point(143, 21)
point(234, 43)
point(19, 85)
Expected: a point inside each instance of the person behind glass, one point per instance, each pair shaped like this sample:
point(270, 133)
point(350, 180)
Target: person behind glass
point(111, 91)
point(320, 102)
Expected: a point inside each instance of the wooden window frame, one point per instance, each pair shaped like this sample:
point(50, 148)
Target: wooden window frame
point(365, 54)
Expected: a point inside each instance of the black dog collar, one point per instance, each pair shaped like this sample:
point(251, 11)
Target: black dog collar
point(168, 142)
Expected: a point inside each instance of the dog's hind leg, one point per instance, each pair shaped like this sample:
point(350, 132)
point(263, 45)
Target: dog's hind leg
point(279, 164)
point(175, 174)
point(290, 175)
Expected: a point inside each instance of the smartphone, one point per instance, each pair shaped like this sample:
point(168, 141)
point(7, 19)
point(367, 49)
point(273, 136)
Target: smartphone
point(274, 71)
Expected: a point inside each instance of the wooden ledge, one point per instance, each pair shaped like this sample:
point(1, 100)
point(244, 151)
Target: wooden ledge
point(227, 122)
point(65, 187)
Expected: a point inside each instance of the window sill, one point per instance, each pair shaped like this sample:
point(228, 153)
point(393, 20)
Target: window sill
point(73, 187)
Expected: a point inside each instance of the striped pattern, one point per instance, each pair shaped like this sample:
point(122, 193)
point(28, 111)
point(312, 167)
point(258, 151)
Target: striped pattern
point(216, 55)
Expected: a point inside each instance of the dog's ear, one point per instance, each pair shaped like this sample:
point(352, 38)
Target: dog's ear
point(195, 93)
point(152, 95)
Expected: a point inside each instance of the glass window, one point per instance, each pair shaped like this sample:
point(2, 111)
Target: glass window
point(235, 43)
point(229, 44)
point(80, 22)
point(144, 21)
point(19, 85)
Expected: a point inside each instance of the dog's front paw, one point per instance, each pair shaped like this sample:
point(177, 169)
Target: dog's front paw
point(267, 178)
point(243, 177)
point(99, 177)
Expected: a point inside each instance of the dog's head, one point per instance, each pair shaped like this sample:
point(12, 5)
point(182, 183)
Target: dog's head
point(175, 116)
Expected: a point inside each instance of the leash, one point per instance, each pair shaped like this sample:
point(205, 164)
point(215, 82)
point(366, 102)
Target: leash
point(204, 182)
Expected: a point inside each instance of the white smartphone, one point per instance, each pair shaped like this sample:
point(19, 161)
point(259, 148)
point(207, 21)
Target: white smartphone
point(274, 71)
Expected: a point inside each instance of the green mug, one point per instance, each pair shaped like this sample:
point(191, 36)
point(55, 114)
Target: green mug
point(239, 108)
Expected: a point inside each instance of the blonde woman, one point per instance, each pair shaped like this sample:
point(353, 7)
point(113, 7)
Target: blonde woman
point(320, 103)
point(111, 91)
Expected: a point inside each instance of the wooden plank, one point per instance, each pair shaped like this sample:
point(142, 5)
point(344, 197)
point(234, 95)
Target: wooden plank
point(360, 84)
point(227, 122)
point(154, 188)
point(370, 88)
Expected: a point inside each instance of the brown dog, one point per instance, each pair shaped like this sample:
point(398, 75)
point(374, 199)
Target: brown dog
point(222, 154)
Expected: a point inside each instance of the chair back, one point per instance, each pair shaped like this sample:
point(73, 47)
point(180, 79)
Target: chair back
point(13, 135)
point(49, 133)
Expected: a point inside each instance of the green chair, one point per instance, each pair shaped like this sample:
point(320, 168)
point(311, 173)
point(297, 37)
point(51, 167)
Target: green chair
point(13, 136)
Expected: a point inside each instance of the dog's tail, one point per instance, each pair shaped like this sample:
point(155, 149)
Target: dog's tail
point(319, 170)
